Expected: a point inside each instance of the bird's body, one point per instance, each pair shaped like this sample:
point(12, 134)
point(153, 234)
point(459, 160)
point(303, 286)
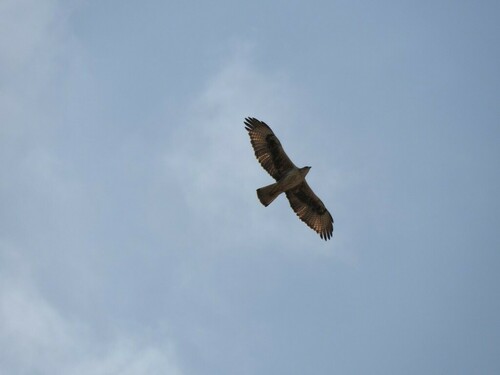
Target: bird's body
point(289, 179)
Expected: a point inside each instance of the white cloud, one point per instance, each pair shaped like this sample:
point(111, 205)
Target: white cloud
point(210, 156)
point(126, 357)
point(36, 183)
point(25, 29)
point(39, 338)
point(45, 251)
point(211, 160)
point(71, 272)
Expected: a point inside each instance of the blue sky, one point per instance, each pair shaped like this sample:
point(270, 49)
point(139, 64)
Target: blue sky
point(131, 237)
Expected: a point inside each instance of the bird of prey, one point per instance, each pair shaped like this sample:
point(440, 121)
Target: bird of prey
point(289, 179)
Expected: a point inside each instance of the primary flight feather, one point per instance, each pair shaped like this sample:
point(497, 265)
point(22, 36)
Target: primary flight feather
point(289, 179)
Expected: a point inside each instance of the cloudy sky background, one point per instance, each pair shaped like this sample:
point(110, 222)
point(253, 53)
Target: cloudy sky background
point(131, 238)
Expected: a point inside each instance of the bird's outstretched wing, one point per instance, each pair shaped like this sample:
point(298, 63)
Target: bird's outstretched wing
point(268, 149)
point(311, 210)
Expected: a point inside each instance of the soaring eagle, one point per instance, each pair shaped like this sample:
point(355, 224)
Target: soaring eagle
point(290, 179)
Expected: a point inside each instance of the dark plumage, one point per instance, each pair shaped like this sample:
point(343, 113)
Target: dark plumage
point(289, 179)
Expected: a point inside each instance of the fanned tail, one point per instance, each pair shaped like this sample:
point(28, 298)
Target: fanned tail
point(268, 193)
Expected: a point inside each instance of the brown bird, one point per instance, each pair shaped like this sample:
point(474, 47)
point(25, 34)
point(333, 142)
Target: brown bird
point(289, 179)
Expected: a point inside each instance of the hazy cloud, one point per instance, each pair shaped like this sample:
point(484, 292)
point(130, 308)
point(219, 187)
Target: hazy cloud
point(131, 237)
point(37, 337)
point(212, 162)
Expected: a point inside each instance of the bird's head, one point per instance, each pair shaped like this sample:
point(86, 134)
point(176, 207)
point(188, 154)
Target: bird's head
point(305, 170)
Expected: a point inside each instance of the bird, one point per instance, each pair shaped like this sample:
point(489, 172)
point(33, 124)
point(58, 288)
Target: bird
point(290, 179)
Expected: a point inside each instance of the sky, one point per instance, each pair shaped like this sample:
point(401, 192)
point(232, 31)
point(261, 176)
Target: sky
point(131, 237)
